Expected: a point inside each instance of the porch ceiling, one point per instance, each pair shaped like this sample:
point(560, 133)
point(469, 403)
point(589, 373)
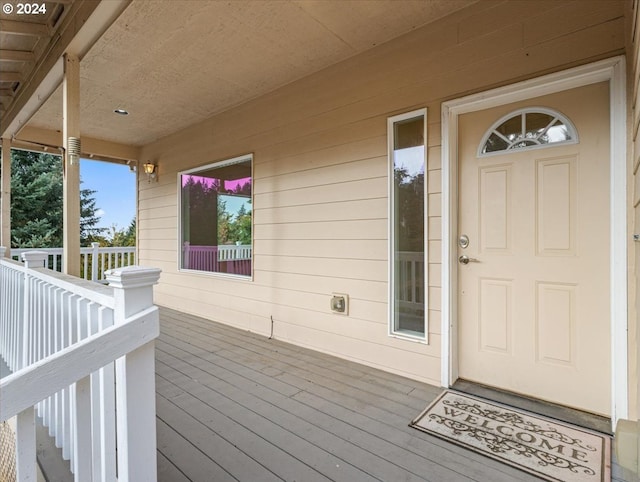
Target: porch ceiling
point(31, 36)
point(23, 41)
point(173, 64)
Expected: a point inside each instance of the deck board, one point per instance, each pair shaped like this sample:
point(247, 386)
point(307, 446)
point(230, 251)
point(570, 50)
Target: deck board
point(319, 448)
point(168, 471)
point(186, 456)
point(233, 405)
point(287, 360)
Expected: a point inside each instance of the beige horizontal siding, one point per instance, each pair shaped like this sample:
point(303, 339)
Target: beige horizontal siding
point(343, 229)
point(562, 18)
point(375, 249)
point(357, 288)
point(337, 191)
point(321, 176)
point(359, 269)
point(435, 227)
point(349, 170)
point(356, 209)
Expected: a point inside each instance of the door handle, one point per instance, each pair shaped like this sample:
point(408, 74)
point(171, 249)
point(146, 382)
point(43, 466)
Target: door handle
point(464, 259)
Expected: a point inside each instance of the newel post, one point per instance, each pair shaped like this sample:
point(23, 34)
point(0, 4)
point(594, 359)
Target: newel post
point(26, 421)
point(135, 378)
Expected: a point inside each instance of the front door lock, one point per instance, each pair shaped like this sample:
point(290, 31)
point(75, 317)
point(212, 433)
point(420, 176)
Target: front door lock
point(464, 259)
point(463, 241)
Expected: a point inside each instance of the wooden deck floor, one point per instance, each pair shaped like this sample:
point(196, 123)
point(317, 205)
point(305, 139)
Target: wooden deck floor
point(235, 406)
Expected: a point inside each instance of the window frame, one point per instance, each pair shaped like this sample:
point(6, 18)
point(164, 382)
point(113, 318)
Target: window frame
point(528, 110)
point(392, 332)
point(195, 170)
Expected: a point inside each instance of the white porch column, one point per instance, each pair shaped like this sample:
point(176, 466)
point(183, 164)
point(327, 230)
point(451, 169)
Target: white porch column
point(5, 197)
point(71, 182)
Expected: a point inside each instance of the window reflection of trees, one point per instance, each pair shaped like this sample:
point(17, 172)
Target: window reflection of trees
point(206, 196)
point(216, 218)
point(409, 210)
point(524, 129)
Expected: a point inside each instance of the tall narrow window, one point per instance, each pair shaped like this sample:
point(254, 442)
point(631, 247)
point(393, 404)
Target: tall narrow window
point(408, 285)
point(216, 217)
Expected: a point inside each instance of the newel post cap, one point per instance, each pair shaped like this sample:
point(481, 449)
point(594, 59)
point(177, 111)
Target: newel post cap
point(132, 277)
point(34, 259)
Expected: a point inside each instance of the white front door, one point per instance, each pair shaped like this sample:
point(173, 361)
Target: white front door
point(533, 302)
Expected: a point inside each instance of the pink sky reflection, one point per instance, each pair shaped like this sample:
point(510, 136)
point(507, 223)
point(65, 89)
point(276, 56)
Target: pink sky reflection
point(229, 185)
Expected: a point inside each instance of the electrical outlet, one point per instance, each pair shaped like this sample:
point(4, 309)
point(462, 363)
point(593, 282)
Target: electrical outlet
point(340, 303)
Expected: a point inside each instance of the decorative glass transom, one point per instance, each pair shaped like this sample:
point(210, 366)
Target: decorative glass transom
point(528, 128)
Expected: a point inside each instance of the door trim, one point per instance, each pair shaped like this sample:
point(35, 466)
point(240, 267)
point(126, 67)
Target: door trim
point(610, 70)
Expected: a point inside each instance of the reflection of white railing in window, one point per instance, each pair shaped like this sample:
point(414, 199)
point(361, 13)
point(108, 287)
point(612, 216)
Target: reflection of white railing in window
point(231, 259)
point(410, 280)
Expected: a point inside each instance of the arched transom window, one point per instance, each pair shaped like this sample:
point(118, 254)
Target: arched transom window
point(528, 128)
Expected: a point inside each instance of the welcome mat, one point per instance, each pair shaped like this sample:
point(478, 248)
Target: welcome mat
point(544, 447)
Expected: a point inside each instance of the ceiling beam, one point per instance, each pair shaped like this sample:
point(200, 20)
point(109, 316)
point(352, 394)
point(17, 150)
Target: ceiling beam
point(92, 148)
point(16, 27)
point(16, 56)
point(85, 23)
point(10, 77)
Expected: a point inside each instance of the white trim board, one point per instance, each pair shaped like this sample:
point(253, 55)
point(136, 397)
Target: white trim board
point(610, 70)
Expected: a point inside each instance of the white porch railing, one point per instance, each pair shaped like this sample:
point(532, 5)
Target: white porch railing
point(410, 277)
point(82, 356)
point(94, 260)
point(232, 259)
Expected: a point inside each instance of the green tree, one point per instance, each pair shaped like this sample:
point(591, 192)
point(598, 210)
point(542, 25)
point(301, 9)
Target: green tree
point(206, 219)
point(242, 226)
point(36, 202)
point(199, 208)
point(119, 237)
point(88, 217)
point(409, 206)
point(225, 226)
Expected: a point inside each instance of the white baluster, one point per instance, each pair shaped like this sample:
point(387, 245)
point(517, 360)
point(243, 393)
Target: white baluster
point(107, 412)
point(82, 430)
point(26, 446)
point(25, 428)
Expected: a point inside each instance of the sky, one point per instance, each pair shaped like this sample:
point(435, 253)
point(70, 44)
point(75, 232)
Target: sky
point(115, 195)
point(411, 159)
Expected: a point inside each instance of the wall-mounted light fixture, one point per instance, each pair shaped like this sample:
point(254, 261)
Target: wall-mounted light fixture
point(73, 150)
point(150, 171)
